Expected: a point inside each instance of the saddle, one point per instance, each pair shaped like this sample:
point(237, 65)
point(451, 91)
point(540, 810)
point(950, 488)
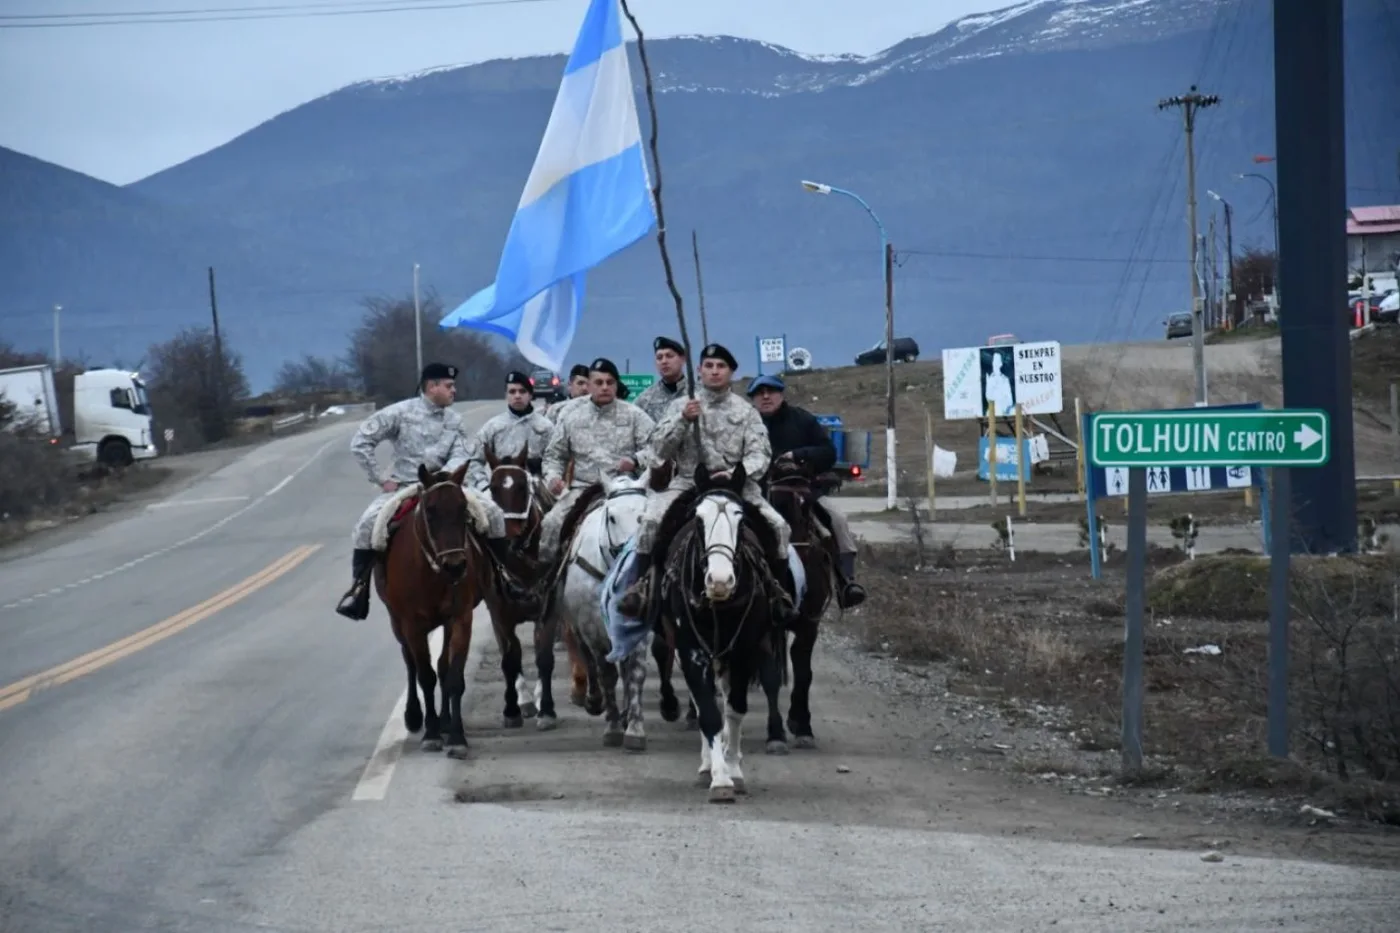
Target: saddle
point(587, 501)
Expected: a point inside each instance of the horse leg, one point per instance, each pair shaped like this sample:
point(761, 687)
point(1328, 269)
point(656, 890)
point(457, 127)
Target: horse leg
point(736, 689)
point(443, 679)
point(544, 670)
point(413, 711)
point(608, 672)
point(692, 716)
point(634, 680)
point(799, 722)
point(460, 635)
point(578, 668)
point(665, 658)
point(714, 769)
point(771, 679)
point(511, 666)
point(422, 656)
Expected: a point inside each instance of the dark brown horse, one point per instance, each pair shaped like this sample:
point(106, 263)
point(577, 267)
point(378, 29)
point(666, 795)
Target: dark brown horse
point(433, 572)
point(524, 500)
point(792, 491)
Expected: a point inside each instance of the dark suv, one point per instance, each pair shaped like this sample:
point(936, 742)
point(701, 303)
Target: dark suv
point(545, 384)
point(906, 350)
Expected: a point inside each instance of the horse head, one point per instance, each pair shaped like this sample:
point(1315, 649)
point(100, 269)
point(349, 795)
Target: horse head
point(441, 521)
point(790, 490)
point(624, 502)
point(720, 513)
point(513, 489)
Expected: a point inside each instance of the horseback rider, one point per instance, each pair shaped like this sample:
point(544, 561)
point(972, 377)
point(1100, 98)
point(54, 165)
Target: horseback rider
point(731, 433)
point(798, 437)
point(517, 428)
point(578, 388)
point(670, 366)
point(424, 430)
point(603, 436)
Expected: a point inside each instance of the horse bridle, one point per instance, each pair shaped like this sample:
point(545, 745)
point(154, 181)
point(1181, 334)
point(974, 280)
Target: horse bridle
point(429, 549)
point(529, 491)
point(615, 547)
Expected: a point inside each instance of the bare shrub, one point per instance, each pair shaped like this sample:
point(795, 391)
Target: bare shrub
point(196, 385)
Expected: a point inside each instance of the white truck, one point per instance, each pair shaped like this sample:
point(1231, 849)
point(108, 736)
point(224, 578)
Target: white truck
point(111, 414)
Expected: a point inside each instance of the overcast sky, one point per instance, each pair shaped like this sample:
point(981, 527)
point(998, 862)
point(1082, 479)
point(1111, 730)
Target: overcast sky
point(123, 101)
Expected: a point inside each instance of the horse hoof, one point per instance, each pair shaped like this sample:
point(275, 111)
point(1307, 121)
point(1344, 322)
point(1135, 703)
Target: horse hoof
point(547, 723)
point(431, 745)
point(529, 710)
point(722, 794)
point(577, 698)
point(740, 787)
point(612, 739)
point(775, 747)
point(634, 743)
point(805, 741)
point(458, 752)
point(512, 722)
point(702, 778)
point(413, 720)
point(670, 709)
point(593, 707)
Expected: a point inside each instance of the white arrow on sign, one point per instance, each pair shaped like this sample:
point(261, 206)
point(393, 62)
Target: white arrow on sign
point(1305, 437)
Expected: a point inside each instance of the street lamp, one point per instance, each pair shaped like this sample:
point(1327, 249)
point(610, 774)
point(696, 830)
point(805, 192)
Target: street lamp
point(1273, 201)
point(1229, 254)
point(887, 262)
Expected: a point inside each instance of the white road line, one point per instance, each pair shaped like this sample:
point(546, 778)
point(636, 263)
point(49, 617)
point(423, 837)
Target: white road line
point(278, 488)
point(379, 771)
point(15, 604)
point(212, 499)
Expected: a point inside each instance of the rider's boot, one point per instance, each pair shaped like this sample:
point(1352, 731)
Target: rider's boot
point(785, 601)
point(355, 603)
point(634, 602)
point(527, 601)
point(851, 593)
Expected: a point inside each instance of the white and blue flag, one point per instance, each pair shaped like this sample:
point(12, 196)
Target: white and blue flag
point(587, 197)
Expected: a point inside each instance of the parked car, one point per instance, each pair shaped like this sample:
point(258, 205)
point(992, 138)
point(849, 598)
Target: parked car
point(906, 350)
point(1178, 324)
point(545, 383)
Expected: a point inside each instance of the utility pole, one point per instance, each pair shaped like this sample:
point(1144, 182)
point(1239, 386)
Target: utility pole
point(57, 359)
point(1235, 317)
point(1190, 103)
point(417, 321)
point(1213, 286)
point(700, 287)
point(891, 463)
point(218, 349)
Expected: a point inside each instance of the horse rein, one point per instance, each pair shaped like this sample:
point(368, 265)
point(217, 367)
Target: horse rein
point(430, 550)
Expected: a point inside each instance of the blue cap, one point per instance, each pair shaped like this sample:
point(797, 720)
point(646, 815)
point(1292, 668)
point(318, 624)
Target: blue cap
point(766, 382)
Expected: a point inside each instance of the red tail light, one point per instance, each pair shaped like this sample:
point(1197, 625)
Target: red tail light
point(855, 472)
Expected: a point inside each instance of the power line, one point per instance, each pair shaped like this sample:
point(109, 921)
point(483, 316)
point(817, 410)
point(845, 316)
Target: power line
point(241, 14)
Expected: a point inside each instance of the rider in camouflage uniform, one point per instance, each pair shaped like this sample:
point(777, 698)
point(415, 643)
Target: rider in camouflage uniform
point(578, 388)
point(517, 428)
point(424, 430)
point(603, 436)
point(671, 384)
point(731, 433)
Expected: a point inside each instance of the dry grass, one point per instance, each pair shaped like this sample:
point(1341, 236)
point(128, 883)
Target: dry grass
point(1043, 632)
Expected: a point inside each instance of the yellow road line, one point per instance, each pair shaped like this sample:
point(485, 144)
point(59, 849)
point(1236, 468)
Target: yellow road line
point(21, 690)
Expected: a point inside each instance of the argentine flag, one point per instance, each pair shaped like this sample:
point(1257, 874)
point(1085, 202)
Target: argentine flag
point(587, 197)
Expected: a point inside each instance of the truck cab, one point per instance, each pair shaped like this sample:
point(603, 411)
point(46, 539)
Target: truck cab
point(112, 417)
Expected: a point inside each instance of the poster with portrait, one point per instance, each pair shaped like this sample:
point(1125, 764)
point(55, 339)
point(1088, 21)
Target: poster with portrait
point(998, 366)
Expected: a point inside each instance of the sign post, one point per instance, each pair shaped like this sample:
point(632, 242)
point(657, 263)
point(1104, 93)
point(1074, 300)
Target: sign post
point(771, 350)
point(1147, 444)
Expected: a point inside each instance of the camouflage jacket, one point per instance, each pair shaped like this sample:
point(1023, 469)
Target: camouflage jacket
point(506, 434)
point(421, 432)
point(731, 432)
point(558, 407)
point(658, 396)
point(596, 439)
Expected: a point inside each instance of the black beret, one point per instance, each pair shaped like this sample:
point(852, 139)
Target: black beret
point(716, 351)
point(438, 371)
point(604, 365)
point(516, 378)
point(578, 370)
point(666, 343)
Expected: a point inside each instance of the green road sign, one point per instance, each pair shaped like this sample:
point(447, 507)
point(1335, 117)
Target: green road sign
point(636, 382)
point(1261, 438)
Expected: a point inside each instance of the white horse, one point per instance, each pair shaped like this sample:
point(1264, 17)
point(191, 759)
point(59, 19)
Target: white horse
point(595, 548)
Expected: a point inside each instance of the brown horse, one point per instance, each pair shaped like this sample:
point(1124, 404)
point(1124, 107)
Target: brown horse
point(793, 491)
point(524, 499)
point(433, 573)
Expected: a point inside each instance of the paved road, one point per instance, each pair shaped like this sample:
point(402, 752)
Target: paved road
point(191, 740)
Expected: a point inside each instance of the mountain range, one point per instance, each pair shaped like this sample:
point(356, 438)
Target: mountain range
point(1018, 159)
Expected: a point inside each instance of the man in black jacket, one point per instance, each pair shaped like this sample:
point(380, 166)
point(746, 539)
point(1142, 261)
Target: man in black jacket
point(798, 437)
